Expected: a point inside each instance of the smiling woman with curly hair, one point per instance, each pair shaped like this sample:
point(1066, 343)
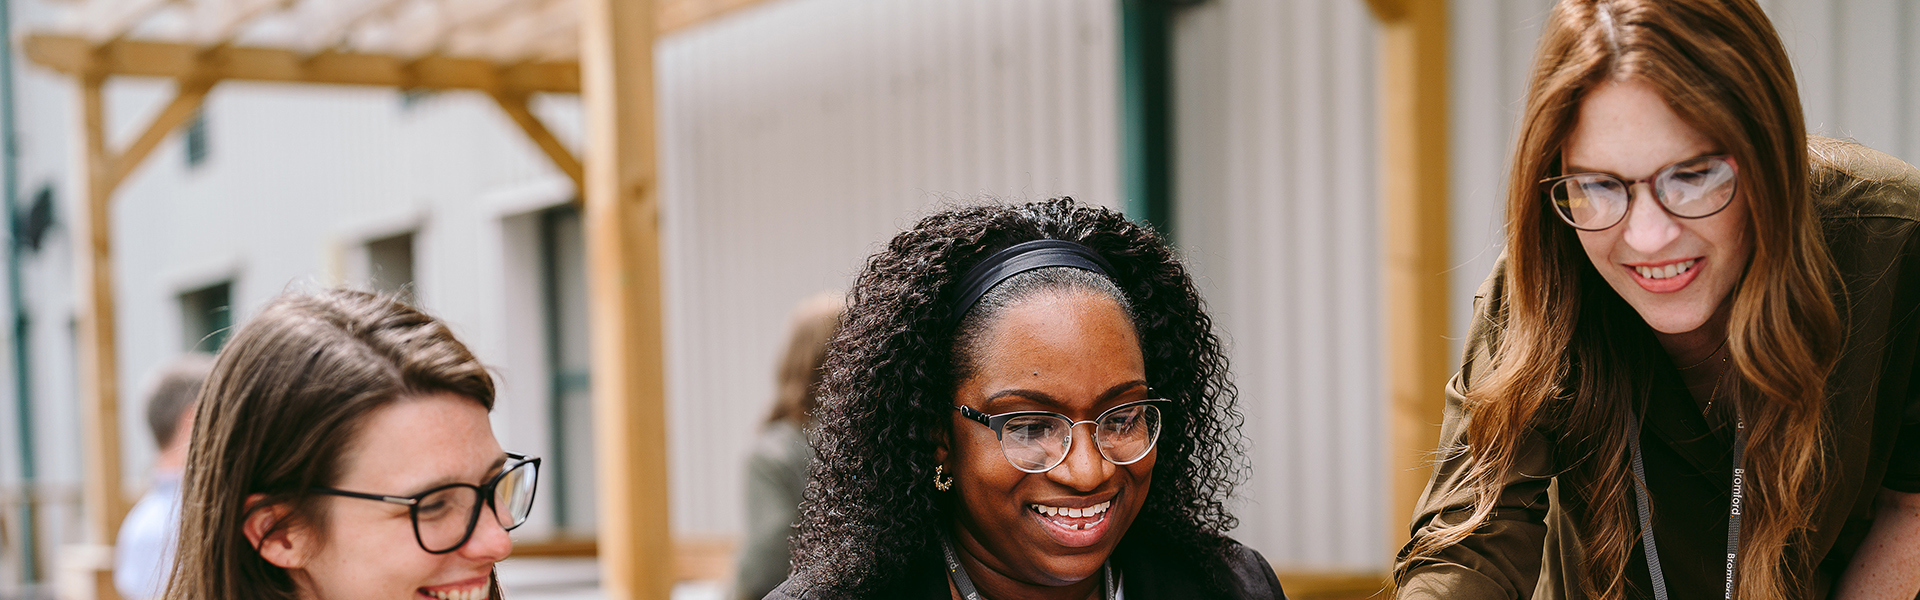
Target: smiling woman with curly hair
point(952, 461)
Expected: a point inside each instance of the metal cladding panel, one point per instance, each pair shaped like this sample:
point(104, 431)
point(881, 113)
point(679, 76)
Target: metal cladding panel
point(1277, 213)
point(797, 137)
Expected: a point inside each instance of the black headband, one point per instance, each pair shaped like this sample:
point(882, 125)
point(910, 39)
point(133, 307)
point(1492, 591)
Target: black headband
point(1022, 257)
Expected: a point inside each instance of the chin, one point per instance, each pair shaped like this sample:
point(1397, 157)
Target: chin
point(1672, 320)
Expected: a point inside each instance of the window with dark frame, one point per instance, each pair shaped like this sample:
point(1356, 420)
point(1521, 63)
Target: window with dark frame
point(206, 318)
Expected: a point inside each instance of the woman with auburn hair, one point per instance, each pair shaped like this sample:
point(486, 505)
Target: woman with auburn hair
point(342, 450)
point(1024, 402)
point(1692, 373)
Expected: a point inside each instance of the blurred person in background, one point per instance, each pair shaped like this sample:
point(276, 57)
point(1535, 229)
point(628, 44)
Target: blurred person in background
point(777, 469)
point(143, 554)
point(1025, 402)
point(1692, 373)
point(342, 450)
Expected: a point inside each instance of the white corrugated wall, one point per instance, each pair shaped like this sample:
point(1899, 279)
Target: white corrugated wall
point(1277, 210)
point(798, 136)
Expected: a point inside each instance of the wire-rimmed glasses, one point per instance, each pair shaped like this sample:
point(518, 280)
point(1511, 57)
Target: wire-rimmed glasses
point(444, 517)
point(1037, 441)
point(1695, 188)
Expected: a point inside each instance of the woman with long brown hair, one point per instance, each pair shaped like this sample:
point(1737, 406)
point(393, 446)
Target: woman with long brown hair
point(1692, 373)
point(342, 450)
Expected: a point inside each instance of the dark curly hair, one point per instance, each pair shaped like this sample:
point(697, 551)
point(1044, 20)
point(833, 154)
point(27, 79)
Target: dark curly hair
point(871, 512)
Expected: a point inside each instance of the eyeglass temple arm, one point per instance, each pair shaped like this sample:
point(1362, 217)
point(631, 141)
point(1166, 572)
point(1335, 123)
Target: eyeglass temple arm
point(388, 499)
point(969, 412)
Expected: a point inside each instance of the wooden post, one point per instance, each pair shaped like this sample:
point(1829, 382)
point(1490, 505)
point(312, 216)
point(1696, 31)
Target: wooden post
point(99, 372)
point(1414, 167)
point(623, 260)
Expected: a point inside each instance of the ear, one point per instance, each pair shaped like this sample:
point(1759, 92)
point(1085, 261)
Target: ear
point(279, 541)
point(942, 441)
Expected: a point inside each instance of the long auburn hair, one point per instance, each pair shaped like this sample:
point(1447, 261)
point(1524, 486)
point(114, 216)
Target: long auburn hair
point(1564, 362)
point(281, 407)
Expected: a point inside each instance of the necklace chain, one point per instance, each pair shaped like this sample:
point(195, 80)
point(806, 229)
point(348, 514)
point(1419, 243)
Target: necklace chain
point(1710, 355)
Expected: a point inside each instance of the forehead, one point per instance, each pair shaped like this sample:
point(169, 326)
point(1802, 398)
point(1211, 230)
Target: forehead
point(417, 440)
point(1068, 343)
point(1626, 127)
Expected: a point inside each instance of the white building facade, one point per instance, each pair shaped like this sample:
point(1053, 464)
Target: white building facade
point(795, 137)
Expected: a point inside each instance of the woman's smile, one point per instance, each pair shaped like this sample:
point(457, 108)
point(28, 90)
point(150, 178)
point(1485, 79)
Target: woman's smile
point(1665, 277)
point(1076, 522)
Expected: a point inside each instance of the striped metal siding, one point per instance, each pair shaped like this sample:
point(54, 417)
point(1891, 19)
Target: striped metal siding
point(798, 136)
point(1277, 212)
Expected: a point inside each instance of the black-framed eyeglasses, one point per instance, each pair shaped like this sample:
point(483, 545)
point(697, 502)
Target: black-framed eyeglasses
point(444, 517)
point(1037, 441)
point(1695, 188)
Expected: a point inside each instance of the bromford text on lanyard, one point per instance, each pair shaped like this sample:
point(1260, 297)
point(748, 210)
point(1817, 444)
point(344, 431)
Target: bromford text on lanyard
point(1641, 503)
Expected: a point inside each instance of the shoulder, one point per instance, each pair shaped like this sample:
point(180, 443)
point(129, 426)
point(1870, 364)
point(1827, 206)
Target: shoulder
point(1163, 570)
point(1253, 576)
point(1849, 181)
point(917, 581)
point(780, 443)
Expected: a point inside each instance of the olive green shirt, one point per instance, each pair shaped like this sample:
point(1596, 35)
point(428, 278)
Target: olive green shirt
point(1869, 205)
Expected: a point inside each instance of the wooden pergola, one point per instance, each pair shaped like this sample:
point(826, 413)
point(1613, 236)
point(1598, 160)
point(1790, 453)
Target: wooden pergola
point(507, 49)
point(603, 50)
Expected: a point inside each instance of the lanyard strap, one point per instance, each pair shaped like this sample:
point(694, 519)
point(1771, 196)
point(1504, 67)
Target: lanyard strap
point(965, 584)
point(1642, 504)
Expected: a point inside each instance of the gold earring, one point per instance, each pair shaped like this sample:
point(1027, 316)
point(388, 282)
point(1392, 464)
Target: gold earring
point(940, 481)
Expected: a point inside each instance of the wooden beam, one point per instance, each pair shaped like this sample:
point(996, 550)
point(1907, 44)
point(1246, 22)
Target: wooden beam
point(186, 100)
point(77, 56)
point(622, 219)
point(99, 367)
point(515, 106)
point(1414, 173)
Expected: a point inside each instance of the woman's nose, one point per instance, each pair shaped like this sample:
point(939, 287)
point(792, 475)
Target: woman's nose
point(1084, 468)
point(489, 542)
point(1649, 227)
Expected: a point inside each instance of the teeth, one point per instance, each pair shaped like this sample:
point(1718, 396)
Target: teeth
point(1076, 513)
point(478, 593)
point(1665, 272)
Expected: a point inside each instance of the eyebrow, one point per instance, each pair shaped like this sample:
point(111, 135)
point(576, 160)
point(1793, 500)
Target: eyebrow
point(1055, 403)
point(492, 469)
point(1568, 168)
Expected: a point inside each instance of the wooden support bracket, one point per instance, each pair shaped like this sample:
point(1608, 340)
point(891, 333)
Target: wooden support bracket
point(515, 105)
point(186, 101)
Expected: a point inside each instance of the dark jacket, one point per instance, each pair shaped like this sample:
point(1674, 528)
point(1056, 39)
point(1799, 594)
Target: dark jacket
point(1146, 573)
point(1869, 206)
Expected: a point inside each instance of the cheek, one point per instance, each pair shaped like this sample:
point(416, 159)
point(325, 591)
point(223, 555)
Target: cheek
point(373, 557)
point(1598, 245)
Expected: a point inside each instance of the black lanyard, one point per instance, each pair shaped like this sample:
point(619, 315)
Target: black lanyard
point(965, 584)
point(1641, 503)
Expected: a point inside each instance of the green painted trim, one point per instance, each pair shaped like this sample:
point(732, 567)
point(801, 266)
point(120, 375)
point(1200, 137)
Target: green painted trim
point(16, 299)
point(557, 384)
point(1146, 111)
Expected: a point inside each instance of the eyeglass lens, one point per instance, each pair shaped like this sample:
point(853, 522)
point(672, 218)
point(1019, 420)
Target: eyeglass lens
point(445, 518)
point(1037, 443)
point(1692, 189)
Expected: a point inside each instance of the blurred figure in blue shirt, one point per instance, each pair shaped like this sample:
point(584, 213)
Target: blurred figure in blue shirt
point(143, 555)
